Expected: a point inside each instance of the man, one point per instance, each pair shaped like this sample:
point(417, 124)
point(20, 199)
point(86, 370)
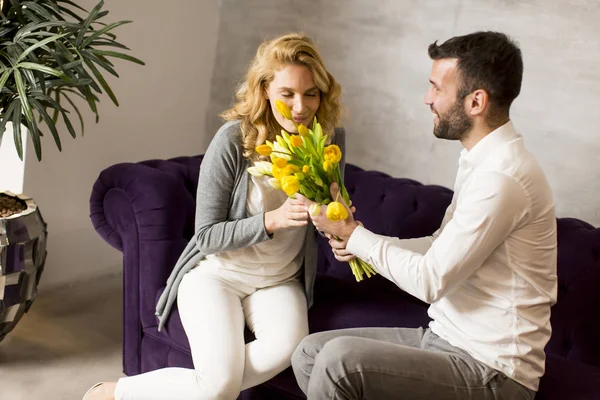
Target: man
point(488, 273)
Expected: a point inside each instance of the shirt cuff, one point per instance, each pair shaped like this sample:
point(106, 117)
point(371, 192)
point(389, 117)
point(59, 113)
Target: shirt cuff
point(361, 242)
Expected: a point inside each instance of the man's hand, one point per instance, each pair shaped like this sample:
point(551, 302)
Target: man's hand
point(338, 247)
point(340, 229)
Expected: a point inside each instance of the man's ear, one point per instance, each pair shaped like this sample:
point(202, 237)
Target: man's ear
point(477, 102)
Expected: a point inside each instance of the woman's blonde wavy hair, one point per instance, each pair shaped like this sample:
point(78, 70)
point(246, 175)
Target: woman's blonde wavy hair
point(252, 109)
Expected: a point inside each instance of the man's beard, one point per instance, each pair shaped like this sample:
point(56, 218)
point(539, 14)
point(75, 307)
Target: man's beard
point(454, 124)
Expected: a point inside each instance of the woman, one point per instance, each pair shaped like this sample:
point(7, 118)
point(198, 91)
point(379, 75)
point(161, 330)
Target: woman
point(252, 260)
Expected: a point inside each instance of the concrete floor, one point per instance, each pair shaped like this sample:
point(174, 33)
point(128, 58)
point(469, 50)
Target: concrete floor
point(69, 340)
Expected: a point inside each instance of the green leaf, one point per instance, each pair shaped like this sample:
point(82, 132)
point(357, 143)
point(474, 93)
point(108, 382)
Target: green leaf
point(56, 109)
point(76, 110)
point(5, 31)
point(35, 134)
point(64, 52)
point(103, 82)
point(111, 43)
point(47, 99)
point(104, 64)
point(8, 114)
point(31, 16)
point(44, 69)
point(54, 8)
point(82, 73)
point(115, 54)
point(41, 11)
point(29, 29)
point(102, 31)
point(72, 4)
point(69, 125)
point(100, 16)
point(91, 99)
point(48, 120)
point(30, 78)
point(40, 44)
point(5, 77)
point(70, 12)
point(60, 83)
point(85, 25)
point(16, 120)
point(71, 64)
point(23, 94)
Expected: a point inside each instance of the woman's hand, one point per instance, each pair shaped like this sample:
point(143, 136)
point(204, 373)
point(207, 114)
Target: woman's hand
point(291, 213)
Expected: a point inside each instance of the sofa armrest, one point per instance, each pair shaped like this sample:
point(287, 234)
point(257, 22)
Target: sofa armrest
point(145, 210)
point(566, 379)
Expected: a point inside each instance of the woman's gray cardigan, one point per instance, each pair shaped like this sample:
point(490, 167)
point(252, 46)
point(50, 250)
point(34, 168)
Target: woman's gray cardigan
point(221, 220)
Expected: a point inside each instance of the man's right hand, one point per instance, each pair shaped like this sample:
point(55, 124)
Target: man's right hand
point(338, 247)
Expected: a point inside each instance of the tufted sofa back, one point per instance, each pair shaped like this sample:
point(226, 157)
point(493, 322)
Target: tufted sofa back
point(405, 208)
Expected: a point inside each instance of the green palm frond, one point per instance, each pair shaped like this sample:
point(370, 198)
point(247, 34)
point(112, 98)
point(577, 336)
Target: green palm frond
point(50, 51)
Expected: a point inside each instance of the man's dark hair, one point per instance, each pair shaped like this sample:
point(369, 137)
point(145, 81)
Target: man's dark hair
point(486, 60)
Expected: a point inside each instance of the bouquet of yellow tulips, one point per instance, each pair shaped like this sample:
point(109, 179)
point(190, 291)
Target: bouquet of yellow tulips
point(304, 164)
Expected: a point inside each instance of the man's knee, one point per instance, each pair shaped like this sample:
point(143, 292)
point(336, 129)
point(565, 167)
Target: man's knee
point(334, 370)
point(302, 354)
point(339, 352)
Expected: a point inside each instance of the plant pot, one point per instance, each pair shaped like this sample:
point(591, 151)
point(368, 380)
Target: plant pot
point(22, 256)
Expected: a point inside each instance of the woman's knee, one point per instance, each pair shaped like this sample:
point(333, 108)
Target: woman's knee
point(219, 388)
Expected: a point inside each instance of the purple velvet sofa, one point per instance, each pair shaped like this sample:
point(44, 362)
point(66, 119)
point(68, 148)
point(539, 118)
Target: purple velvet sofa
point(146, 210)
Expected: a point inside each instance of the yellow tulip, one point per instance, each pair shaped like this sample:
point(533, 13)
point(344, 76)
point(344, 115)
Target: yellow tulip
point(283, 109)
point(261, 168)
point(305, 169)
point(296, 140)
point(314, 209)
point(288, 170)
point(336, 211)
point(290, 185)
point(327, 165)
point(280, 162)
point(280, 152)
point(292, 169)
point(275, 184)
point(264, 150)
point(303, 130)
point(333, 153)
point(277, 172)
point(281, 143)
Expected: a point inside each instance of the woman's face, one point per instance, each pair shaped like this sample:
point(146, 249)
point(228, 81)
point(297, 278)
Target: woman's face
point(295, 86)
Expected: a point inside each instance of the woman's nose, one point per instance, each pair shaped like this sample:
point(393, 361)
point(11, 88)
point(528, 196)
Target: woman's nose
point(298, 106)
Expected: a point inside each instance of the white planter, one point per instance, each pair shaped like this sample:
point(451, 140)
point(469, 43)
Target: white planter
point(12, 169)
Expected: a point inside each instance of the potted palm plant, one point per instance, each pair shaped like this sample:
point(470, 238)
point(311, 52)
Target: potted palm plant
point(54, 55)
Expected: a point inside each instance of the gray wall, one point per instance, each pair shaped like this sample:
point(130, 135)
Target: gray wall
point(162, 111)
point(378, 52)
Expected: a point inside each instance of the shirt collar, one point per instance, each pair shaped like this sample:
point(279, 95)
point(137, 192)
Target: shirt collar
point(488, 144)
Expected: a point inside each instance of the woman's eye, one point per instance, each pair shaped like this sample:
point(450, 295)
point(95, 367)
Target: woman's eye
point(311, 94)
point(287, 95)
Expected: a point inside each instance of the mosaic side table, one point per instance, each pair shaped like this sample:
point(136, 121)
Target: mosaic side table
point(22, 257)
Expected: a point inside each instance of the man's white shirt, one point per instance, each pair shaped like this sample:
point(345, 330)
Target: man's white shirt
point(489, 272)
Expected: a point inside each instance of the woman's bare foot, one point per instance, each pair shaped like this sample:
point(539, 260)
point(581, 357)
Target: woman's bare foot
point(104, 391)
